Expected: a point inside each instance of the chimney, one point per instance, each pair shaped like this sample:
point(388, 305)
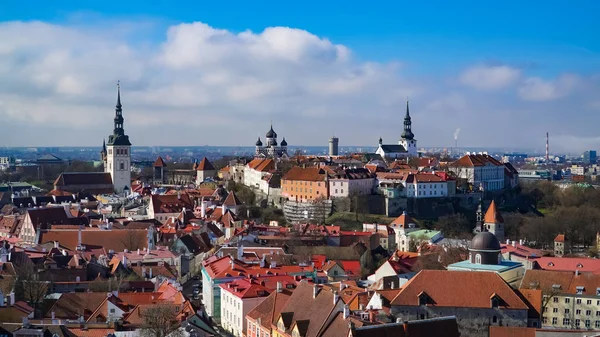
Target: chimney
point(150, 273)
point(520, 242)
point(576, 272)
point(315, 291)
point(508, 241)
point(336, 297)
point(372, 315)
point(79, 241)
point(231, 263)
point(55, 244)
point(341, 286)
point(346, 312)
point(514, 243)
point(124, 260)
point(53, 315)
point(203, 209)
point(11, 298)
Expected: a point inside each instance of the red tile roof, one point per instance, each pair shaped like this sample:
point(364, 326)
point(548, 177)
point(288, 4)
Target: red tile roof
point(297, 173)
point(566, 280)
point(205, 165)
point(402, 221)
point(268, 310)
point(232, 200)
point(87, 332)
point(559, 238)
point(117, 240)
point(159, 162)
point(171, 203)
point(511, 331)
point(463, 289)
point(583, 264)
point(473, 160)
point(262, 165)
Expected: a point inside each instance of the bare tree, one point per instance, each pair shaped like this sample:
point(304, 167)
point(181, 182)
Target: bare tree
point(160, 321)
point(29, 288)
point(132, 241)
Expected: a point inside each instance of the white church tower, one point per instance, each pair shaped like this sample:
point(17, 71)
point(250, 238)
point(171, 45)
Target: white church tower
point(407, 139)
point(118, 152)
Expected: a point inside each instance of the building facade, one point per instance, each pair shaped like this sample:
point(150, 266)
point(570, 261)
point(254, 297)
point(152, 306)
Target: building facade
point(351, 182)
point(305, 184)
point(480, 170)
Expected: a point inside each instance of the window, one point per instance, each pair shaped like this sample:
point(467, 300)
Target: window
point(597, 313)
point(577, 323)
point(588, 323)
point(545, 320)
point(589, 302)
point(494, 319)
point(578, 312)
point(554, 320)
point(342, 191)
point(579, 301)
point(554, 310)
point(555, 300)
point(121, 166)
point(112, 311)
point(567, 300)
point(478, 259)
point(567, 311)
point(597, 325)
point(566, 321)
point(588, 313)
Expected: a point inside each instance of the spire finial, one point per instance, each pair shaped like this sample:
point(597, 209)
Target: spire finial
point(118, 93)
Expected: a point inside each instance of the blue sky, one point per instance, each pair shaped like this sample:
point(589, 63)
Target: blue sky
point(431, 43)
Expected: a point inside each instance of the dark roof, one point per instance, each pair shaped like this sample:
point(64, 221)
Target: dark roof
point(439, 326)
point(259, 142)
point(205, 165)
point(121, 140)
point(271, 133)
point(49, 158)
point(283, 142)
point(159, 162)
point(393, 148)
point(83, 178)
point(485, 241)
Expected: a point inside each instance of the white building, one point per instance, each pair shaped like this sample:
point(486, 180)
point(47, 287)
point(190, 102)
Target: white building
point(117, 152)
point(349, 182)
point(426, 185)
point(407, 146)
point(480, 170)
point(237, 299)
point(256, 171)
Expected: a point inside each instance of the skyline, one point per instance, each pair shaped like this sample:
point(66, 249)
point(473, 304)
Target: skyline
point(190, 73)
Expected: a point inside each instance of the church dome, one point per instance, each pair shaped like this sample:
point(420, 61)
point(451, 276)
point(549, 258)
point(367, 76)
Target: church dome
point(271, 133)
point(258, 142)
point(283, 142)
point(485, 241)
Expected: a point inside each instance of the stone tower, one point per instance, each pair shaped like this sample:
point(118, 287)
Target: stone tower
point(118, 151)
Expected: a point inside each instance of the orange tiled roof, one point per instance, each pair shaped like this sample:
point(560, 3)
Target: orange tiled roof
point(446, 288)
point(297, 173)
point(559, 238)
point(159, 162)
point(473, 160)
point(492, 215)
point(262, 165)
point(205, 165)
point(91, 332)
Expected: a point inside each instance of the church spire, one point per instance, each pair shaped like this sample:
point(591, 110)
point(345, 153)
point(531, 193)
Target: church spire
point(119, 95)
point(407, 133)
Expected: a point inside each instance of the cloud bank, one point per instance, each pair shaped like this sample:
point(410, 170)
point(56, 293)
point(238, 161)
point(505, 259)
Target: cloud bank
point(204, 85)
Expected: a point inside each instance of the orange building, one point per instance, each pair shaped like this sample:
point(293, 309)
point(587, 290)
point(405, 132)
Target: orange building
point(305, 184)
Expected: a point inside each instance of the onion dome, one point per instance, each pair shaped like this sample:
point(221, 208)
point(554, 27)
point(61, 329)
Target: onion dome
point(258, 142)
point(283, 142)
point(271, 133)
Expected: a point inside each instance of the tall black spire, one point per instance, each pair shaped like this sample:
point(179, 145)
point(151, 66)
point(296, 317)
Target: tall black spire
point(118, 137)
point(407, 133)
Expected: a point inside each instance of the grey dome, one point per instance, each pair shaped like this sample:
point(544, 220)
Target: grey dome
point(258, 142)
point(485, 241)
point(271, 133)
point(283, 142)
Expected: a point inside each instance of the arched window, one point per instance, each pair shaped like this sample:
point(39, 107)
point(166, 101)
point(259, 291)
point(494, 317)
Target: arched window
point(121, 166)
point(478, 259)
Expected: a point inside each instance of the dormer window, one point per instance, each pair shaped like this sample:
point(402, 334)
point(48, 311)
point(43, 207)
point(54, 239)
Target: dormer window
point(597, 291)
point(579, 265)
point(550, 264)
point(580, 290)
point(556, 287)
point(424, 299)
point(495, 302)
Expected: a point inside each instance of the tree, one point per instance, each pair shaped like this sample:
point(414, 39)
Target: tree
point(454, 225)
point(132, 241)
point(160, 321)
point(29, 288)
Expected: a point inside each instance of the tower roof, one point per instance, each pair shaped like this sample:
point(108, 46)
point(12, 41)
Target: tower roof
point(159, 162)
point(407, 133)
point(492, 215)
point(205, 165)
point(283, 142)
point(258, 142)
point(485, 241)
point(232, 200)
point(118, 137)
point(271, 133)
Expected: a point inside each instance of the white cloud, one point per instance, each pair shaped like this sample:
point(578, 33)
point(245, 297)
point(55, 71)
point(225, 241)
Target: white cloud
point(489, 78)
point(537, 89)
point(202, 85)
